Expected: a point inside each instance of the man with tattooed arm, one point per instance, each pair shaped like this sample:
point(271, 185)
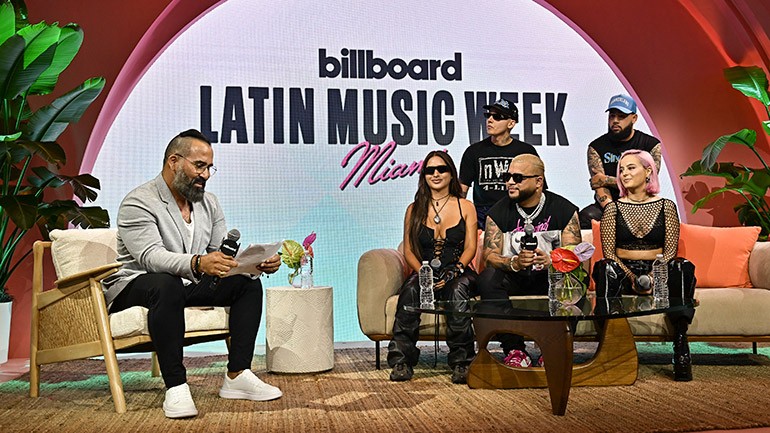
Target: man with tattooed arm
point(528, 212)
point(605, 151)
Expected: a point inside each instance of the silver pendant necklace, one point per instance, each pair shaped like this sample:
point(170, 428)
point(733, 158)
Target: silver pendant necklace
point(437, 218)
point(531, 217)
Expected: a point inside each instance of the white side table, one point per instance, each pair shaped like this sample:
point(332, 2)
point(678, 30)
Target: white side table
point(299, 329)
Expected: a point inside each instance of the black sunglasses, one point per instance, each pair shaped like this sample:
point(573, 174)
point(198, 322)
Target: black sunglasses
point(429, 170)
point(496, 116)
point(517, 177)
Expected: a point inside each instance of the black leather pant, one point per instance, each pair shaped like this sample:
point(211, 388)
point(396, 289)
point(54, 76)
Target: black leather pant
point(406, 328)
point(499, 284)
point(612, 281)
point(165, 296)
point(593, 211)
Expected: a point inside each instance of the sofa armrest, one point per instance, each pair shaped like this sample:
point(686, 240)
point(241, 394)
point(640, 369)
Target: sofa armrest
point(759, 265)
point(381, 273)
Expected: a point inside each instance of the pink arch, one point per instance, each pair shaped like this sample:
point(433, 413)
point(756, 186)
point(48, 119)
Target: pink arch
point(177, 17)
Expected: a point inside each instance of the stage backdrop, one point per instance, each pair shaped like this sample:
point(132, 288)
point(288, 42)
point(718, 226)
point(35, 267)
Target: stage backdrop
point(320, 114)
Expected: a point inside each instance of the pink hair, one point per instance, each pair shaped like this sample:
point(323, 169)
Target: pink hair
point(653, 186)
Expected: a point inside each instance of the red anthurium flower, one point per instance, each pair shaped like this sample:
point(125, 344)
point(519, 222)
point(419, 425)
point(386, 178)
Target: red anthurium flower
point(564, 260)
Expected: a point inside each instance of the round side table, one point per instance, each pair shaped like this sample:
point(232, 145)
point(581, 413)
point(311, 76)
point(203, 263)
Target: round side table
point(299, 329)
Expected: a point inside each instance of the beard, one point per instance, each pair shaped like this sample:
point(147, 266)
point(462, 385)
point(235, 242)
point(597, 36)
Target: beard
point(523, 195)
point(622, 134)
point(187, 188)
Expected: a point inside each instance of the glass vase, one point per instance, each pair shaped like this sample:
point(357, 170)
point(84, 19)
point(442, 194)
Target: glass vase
point(306, 271)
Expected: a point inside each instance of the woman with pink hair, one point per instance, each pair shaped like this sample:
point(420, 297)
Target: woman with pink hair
point(634, 230)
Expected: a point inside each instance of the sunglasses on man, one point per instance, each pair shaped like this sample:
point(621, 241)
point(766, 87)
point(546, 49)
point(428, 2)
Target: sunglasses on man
point(496, 116)
point(429, 170)
point(517, 177)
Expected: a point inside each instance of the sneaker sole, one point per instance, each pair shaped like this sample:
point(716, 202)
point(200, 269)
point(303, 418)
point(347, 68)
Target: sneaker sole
point(186, 413)
point(241, 395)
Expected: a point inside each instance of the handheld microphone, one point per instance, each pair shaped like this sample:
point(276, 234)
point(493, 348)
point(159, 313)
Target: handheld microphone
point(528, 242)
point(229, 247)
point(644, 282)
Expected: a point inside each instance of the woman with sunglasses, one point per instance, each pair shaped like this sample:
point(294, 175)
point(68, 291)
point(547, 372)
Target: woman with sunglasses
point(634, 229)
point(439, 227)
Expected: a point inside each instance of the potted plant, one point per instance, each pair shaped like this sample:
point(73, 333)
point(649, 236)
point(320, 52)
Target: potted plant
point(750, 183)
point(31, 58)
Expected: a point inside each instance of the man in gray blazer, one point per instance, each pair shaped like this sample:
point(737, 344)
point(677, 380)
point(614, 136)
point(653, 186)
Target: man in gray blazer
point(169, 233)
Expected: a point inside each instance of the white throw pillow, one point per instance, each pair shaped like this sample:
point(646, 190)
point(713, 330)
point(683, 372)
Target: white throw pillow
point(77, 250)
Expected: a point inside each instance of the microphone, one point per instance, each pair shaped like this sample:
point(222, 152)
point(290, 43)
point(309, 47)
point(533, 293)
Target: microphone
point(528, 242)
point(644, 282)
point(229, 247)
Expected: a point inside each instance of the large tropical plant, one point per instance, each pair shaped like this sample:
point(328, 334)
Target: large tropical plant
point(749, 183)
point(31, 58)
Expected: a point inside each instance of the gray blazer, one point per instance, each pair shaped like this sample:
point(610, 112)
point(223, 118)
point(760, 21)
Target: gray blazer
point(152, 236)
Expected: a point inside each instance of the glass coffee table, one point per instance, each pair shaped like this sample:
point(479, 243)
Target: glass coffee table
point(552, 326)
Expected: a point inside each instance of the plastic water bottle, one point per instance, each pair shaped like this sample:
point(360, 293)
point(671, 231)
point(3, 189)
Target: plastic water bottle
point(306, 271)
point(660, 278)
point(426, 285)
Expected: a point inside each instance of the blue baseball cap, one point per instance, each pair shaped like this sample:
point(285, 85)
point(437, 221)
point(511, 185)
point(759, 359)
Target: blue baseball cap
point(623, 103)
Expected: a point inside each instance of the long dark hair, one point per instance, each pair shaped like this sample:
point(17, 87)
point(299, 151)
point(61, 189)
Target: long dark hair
point(423, 196)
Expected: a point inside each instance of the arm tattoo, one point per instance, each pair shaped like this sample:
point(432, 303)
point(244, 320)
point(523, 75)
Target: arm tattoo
point(493, 238)
point(594, 163)
point(571, 234)
point(655, 152)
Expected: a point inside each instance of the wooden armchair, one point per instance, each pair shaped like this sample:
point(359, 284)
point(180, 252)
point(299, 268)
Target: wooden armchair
point(70, 320)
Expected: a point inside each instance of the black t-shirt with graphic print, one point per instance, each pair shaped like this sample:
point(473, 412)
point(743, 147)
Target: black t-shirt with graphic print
point(483, 165)
point(609, 151)
point(549, 225)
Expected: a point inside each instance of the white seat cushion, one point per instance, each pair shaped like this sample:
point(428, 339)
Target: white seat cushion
point(133, 321)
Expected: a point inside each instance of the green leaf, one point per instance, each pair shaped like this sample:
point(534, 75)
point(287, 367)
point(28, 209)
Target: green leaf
point(45, 178)
point(766, 126)
point(69, 43)
point(15, 77)
point(700, 203)
point(50, 121)
point(22, 209)
point(751, 81)
point(39, 38)
point(60, 213)
point(746, 137)
point(12, 137)
point(7, 21)
point(84, 186)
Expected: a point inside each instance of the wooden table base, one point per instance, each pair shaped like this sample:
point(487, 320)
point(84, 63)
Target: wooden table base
point(614, 363)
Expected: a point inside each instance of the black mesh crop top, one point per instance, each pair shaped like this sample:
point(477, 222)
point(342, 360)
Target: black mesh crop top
point(641, 227)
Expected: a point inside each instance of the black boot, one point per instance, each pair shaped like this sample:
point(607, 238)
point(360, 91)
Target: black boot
point(682, 361)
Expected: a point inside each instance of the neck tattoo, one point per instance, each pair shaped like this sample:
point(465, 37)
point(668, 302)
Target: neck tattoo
point(437, 218)
point(531, 217)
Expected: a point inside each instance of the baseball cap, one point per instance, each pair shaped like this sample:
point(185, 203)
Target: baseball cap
point(623, 103)
point(505, 107)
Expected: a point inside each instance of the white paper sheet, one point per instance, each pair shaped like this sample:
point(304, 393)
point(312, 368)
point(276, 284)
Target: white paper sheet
point(253, 255)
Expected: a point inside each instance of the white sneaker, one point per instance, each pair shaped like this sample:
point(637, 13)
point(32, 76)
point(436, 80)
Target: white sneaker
point(247, 386)
point(179, 402)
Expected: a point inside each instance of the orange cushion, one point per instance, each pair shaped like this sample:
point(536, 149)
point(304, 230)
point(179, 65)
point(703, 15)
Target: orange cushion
point(707, 248)
point(720, 254)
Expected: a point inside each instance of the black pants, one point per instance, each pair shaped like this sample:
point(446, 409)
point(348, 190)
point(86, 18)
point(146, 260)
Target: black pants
point(612, 281)
point(406, 328)
point(165, 296)
point(499, 284)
